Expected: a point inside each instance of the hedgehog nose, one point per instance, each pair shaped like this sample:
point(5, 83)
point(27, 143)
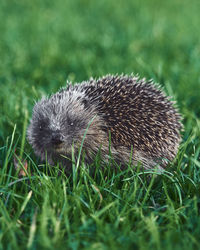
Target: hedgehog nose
point(56, 139)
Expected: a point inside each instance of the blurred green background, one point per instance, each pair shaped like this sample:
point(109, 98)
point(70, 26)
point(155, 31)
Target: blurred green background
point(44, 43)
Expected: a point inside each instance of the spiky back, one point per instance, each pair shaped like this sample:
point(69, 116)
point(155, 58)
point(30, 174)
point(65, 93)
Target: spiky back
point(137, 113)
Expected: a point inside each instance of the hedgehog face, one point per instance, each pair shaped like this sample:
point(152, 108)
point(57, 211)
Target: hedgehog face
point(56, 127)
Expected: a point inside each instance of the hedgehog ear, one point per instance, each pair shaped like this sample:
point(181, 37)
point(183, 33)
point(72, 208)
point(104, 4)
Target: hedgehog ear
point(85, 103)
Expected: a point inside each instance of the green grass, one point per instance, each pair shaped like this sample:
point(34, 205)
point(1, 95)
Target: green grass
point(45, 43)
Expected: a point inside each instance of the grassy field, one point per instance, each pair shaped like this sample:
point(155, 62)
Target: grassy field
point(45, 43)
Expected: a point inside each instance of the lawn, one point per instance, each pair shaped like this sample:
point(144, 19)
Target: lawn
point(45, 43)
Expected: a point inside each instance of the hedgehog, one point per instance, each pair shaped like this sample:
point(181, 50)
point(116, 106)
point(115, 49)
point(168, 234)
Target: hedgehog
point(120, 116)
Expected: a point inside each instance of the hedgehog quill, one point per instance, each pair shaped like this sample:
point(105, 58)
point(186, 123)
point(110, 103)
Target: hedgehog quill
point(128, 116)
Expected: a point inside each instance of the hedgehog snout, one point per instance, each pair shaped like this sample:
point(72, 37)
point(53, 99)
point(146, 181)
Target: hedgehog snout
point(56, 138)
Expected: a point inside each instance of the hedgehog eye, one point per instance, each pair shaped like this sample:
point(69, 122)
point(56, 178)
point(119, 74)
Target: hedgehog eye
point(42, 125)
